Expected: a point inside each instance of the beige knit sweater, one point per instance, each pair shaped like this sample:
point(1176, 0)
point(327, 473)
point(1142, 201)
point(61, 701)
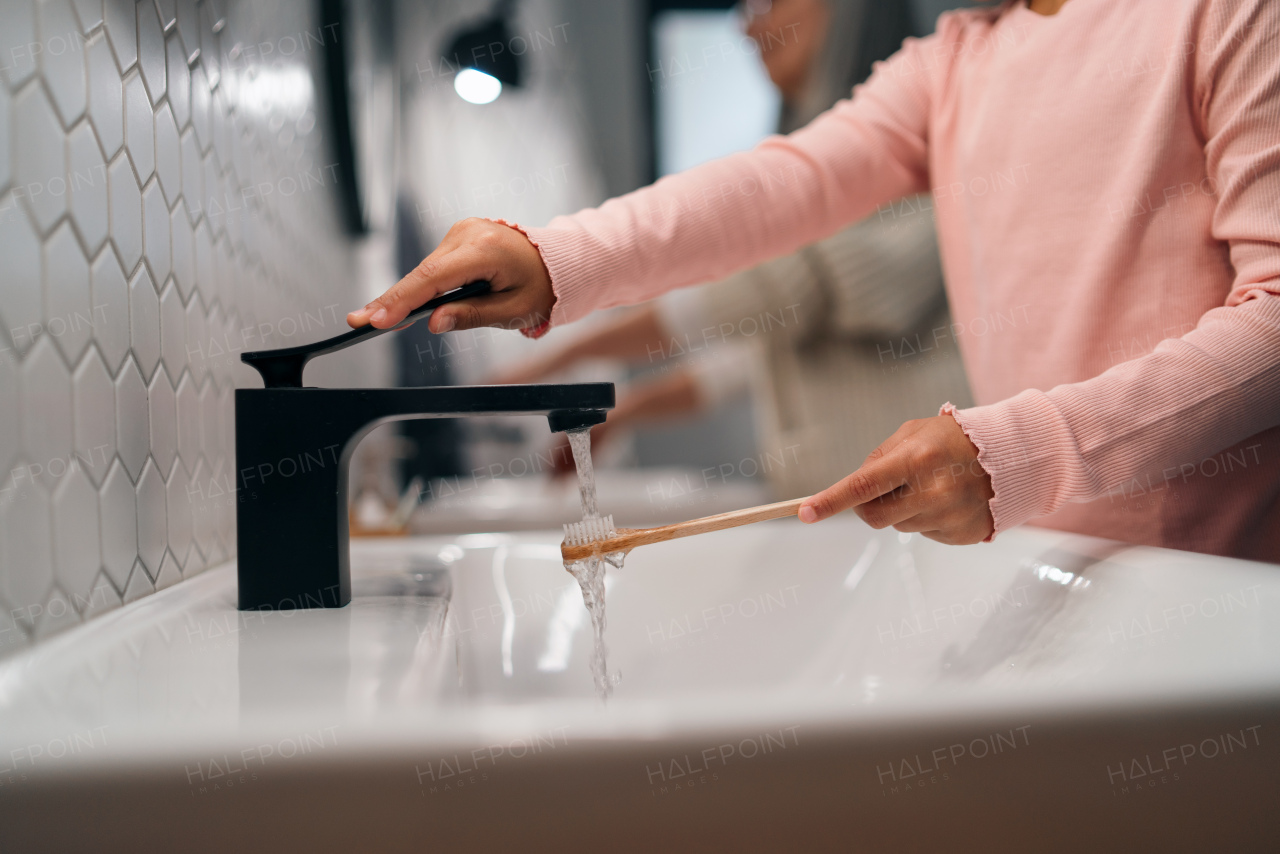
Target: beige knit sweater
point(839, 343)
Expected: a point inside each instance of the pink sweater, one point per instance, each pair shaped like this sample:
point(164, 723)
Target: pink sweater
point(1107, 189)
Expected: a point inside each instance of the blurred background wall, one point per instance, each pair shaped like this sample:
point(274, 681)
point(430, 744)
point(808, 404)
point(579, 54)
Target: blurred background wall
point(168, 200)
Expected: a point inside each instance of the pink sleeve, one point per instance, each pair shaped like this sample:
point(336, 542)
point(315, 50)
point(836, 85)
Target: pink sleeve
point(1192, 396)
point(732, 213)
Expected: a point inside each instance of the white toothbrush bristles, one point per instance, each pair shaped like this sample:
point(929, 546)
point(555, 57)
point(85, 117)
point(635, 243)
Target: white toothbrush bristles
point(589, 531)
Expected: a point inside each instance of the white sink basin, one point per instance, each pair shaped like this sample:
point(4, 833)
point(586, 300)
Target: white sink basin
point(782, 687)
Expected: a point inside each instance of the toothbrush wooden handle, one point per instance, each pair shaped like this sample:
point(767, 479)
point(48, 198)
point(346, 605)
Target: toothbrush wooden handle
point(628, 538)
point(719, 522)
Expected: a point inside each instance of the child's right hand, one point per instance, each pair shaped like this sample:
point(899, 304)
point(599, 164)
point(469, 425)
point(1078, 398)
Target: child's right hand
point(473, 250)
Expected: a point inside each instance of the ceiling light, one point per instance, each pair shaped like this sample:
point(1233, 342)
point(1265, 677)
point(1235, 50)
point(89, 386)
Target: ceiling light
point(483, 55)
point(476, 86)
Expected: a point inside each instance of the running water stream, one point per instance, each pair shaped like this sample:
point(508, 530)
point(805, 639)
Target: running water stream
point(590, 572)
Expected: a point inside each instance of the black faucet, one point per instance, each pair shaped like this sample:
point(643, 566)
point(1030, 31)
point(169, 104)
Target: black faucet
point(294, 445)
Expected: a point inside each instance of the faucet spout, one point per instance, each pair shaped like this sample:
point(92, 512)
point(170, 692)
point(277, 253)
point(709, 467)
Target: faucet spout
point(293, 453)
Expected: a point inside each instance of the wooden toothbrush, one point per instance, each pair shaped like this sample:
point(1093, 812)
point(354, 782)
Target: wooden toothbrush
point(598, 536)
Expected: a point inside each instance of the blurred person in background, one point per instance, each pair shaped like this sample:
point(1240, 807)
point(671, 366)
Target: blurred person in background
point(838, 343)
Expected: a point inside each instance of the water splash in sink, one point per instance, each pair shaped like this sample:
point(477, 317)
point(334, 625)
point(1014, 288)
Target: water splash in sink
point(589, 573)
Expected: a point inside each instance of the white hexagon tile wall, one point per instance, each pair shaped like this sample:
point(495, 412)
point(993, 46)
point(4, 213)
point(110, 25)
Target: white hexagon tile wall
point(167, 201)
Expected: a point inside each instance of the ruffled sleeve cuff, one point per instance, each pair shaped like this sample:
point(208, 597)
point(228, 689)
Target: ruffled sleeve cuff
point(573, 265)
point(541, 329)
point(1024, 445)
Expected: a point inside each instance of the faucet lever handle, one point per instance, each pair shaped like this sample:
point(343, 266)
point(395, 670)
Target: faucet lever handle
point(282, 368)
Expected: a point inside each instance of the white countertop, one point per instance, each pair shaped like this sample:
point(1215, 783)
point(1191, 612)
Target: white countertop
point(645, 497)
